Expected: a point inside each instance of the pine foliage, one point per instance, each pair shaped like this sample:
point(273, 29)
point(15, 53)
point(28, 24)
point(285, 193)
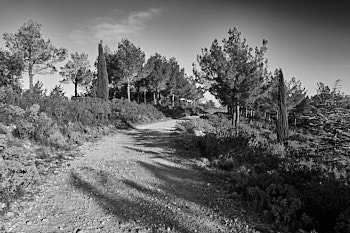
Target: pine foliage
point(282, 120)
point(102, 76)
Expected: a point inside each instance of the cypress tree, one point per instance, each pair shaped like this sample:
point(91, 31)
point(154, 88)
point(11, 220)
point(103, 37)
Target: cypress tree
point(102, 76)
point(282, 120)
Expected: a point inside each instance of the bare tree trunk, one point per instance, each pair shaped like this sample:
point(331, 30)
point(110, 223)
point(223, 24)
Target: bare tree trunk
point(30, 72)
point(159, 100)
point(76, 88)
point(232, 113)
point(237, 115)
point(154, 98)
point(173, 100)
point(128, 91)
point(144, 96)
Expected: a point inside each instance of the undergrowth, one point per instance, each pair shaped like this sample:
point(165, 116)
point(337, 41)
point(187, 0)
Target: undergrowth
point(35, 129)
point(290, 185)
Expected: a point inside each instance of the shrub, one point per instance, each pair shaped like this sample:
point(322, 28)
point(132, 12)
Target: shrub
point(175, 113)
point(325, 200)
point(15, 176)
point(57, 140)
point(34, 125)
point(133, 112)
point(269, 194)
point(343, 222)
point(8, 95)
point(288, 183)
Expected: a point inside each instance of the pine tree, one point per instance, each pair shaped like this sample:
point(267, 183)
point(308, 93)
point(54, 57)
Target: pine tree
point(77, 71)
point(102, 76)
point(39, 56)
point(233, 72)
point(282, 120)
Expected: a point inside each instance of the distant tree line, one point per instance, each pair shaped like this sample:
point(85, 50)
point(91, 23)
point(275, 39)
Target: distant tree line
point(127, 74)
point(159, 79)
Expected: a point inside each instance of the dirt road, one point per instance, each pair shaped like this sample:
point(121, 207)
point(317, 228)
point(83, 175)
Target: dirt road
point(131, 181)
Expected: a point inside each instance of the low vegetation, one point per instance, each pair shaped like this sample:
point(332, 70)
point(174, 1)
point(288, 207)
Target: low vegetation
point(291, 185)
point(38, 131)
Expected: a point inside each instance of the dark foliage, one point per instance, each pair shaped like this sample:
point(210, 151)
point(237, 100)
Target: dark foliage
point(102, 76)
point(282, 183)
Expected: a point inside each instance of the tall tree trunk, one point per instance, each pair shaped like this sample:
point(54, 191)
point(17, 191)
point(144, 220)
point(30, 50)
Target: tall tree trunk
point(236, 116)
point(145, 96)
point(232, 113)
point(282, 120)
point(154, 98)
point(159, 100)
point(138, 95)
point(76, 88)
point(30, 73)
point(173, 100)
point(128, 91)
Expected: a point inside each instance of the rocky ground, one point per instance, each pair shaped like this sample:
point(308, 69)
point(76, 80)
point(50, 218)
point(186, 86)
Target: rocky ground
point(131, 181)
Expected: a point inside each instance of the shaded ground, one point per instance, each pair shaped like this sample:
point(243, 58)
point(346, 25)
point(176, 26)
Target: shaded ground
point(132, 181)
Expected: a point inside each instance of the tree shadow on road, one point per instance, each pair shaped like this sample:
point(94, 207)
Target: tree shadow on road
point(140, 212)
point(193, 184)
point(154, 140)
point(183, 197)
point(151, 138)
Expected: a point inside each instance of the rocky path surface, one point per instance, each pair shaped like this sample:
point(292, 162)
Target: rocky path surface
point(131, 181)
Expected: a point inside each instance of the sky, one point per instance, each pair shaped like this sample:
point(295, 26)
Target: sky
point(309, 40)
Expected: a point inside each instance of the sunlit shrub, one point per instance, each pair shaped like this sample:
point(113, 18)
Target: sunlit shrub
point(34, 125)
point(15, 176)
point(57, 140)
point(133, 112)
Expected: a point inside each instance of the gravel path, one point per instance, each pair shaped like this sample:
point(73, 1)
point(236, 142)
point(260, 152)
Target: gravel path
point(131, 181)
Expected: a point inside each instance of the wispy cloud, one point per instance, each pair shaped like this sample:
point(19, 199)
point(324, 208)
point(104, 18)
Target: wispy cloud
point(110, 28)
point(78, 36)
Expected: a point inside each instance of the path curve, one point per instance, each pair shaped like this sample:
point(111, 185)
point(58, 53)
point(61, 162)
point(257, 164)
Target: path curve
point(131, 181)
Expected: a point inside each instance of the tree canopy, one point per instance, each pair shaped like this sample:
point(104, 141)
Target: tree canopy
point(39, 56)
point(232, 72)
point(77, 70)
point(11, 67)
point(129, 61)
